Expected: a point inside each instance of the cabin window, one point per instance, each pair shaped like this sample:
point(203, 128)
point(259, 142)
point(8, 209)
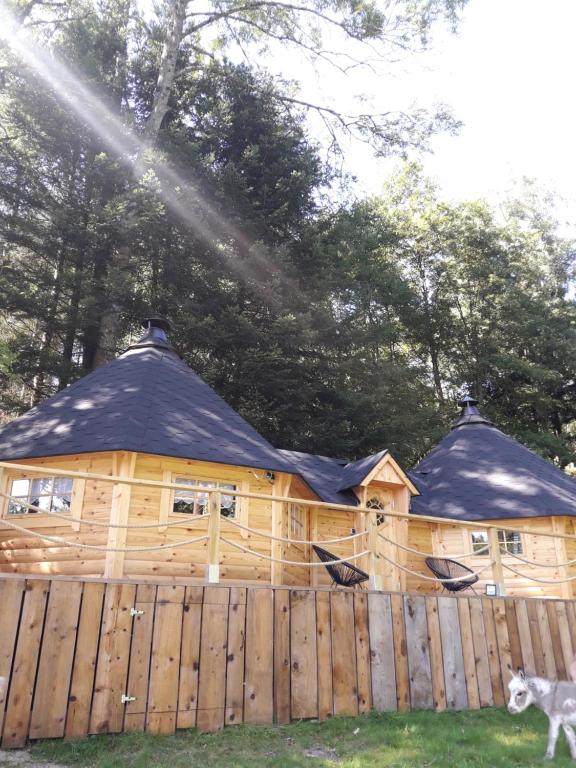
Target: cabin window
point(510, 542)
point(297, 521)
point(196, 502)
point(376, 503)
point(50, 494)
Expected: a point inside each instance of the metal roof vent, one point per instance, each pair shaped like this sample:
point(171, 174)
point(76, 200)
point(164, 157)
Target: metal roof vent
point(470, 413)
point(155, 334)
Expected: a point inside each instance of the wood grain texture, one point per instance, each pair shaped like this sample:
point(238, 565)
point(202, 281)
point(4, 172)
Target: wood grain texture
point(20, 695)
point(324, 650)
point(436, 661)
point(344, 654)
point(382, 653)
point(481, 653)
point(362, 652)
point(493, 657)
point(190, 658)
point(400, 654)
point(468, 653)
point(454, 677)
point(140, 651)
point(304, 674)
point(235, 656)
point(11, 594)
point(421, 696)
point(525, 636)
point(282, 656)
point(258, 693)
point(48, 719)
point(213, 651)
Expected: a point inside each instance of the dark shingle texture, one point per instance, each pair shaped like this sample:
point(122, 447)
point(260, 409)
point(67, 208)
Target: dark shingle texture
point(146, 400)
point(355, 472)
point(323, 475)
point(479, 473)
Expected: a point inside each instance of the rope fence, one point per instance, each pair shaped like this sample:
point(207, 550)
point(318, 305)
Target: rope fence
point(213, 519)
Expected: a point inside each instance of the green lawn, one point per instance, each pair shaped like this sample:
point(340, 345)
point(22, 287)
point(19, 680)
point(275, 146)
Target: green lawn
point(490, 738)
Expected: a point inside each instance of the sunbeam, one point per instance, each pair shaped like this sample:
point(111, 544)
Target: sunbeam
point(180, 196)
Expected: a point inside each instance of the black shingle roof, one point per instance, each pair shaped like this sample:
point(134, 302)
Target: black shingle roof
point(146, 400)
point(478, 473)
point(324, 475)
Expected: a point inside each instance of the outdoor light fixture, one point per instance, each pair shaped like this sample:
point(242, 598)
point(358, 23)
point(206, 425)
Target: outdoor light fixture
point(491, 590)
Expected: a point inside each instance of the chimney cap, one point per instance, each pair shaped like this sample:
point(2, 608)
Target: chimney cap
point(470, 413)
point(157, 322)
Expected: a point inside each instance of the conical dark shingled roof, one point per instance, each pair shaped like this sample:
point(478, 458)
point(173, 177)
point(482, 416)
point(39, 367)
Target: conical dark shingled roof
point(478, 473)
point(147, 400)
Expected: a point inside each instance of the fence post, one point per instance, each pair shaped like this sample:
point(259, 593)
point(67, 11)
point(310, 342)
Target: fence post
point(214, 507)
point(373, 569)
point(496, 555)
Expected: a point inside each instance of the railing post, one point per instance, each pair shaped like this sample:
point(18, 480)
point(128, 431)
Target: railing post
point(496, 556)
point(373, 569)
point(214, 507)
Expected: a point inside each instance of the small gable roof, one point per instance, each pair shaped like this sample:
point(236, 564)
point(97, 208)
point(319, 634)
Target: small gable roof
point(323, 475)
point(147, 400)
point(478, 473)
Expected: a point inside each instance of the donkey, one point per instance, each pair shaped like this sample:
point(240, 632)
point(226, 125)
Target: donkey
point(556, 698)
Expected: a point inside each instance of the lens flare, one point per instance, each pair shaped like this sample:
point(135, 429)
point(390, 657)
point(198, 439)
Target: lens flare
point(182, 198)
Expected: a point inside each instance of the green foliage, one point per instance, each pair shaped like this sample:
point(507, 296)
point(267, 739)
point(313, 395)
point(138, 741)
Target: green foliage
point(488, 738)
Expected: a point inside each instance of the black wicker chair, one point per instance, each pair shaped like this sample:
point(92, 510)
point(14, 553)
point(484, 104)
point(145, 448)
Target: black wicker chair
point(344, 574)
point(443, 568)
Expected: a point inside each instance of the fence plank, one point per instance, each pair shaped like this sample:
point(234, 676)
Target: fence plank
point(190, 658)
point(418, 652)
point(536, 638)
point(344, 654)
point(55, 667)
point(11, 593)
point(362, 652)
point(21, 691)
point(84, 668)
point(528, 662)
point(513, 635)
point(165, 660)
point(504, 651)
point(454, 678)
point(493, 659)
point(468, 653)
point(235, 656)
point(107, 714)
point(556, 641)
point(382, 653)
point(436, 661)
point(324, 651)
point(400, 654)
point(213, 646)
point(481, 653)
point(304, 674)
point(546, 638)
point(282, 656)
point(139, 667)
point(571, 613)
point(565, 638)
point(258, 694)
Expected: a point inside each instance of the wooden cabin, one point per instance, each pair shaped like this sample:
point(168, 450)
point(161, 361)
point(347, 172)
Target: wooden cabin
point(140, 470)
point(479, 476)
point(147, 417)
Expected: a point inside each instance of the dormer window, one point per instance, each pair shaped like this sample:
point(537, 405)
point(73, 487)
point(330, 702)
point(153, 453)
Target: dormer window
point(47, 493)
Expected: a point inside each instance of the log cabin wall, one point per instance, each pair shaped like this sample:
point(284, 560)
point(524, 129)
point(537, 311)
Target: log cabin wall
point(91, 500)
point(451, 541)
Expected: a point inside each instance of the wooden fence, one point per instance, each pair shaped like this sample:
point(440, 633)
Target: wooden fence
point(80, 657)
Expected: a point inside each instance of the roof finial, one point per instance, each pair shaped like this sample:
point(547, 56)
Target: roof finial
point(470, 413)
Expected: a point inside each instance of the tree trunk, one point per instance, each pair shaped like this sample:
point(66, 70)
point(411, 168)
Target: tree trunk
point(176, 15)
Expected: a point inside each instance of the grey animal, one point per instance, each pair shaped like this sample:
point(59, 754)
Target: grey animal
point(556, 698)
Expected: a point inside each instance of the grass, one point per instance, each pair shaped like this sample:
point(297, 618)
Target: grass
point(490, 738)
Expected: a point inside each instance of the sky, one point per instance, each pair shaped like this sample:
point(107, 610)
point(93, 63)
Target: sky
point(508, 75)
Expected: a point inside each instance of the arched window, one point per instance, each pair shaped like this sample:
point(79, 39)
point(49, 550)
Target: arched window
point(376, 503)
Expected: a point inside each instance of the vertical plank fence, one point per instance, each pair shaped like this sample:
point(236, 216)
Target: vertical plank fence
point(80, 657)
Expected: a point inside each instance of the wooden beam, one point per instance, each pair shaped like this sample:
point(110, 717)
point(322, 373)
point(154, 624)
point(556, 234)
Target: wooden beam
point(558, 526)
point(496, 555)
point(214, 511)
point(119, 512)
point(280, 488)
point(166, 501)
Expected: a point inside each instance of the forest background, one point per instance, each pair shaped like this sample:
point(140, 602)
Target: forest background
point(146, 169)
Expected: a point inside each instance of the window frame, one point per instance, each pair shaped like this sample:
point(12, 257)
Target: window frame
point(8, 486)
point(503, 542)
point(209, 484)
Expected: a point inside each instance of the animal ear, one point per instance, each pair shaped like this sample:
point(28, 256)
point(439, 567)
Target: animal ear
point(521, 675)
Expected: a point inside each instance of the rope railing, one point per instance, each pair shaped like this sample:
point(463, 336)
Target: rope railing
point(304, 563)
point(213, 519)
point(102, 523)
point(470, 553)
point(269, 536)
point(97, 547)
